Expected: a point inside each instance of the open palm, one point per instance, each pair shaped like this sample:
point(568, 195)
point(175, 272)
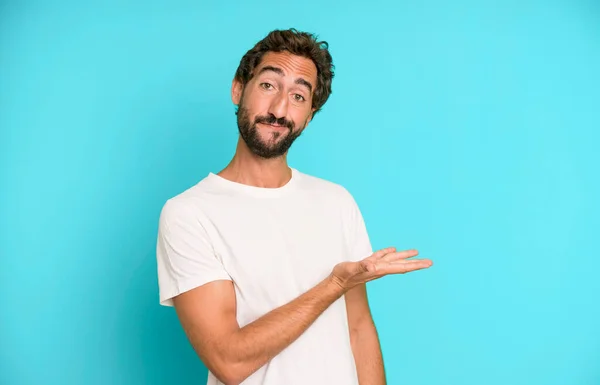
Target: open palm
point(383, 262)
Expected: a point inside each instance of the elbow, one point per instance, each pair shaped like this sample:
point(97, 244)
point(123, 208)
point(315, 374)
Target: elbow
point(226, 363)
point(228, 378)
point(230, 373)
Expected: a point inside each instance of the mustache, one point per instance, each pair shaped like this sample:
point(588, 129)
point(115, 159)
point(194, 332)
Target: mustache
point(271, 119)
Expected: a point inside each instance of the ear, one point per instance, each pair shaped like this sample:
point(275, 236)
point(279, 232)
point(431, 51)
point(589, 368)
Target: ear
point(236, 91)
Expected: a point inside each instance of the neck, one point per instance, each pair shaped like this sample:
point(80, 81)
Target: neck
point(247, 168)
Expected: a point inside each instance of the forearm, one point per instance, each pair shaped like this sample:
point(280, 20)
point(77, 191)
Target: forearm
point(258, 342)
point(367, 354)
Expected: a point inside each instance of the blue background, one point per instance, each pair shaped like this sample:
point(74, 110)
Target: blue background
point(465, 129)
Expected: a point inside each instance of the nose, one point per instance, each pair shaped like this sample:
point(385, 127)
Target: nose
point(279, 106)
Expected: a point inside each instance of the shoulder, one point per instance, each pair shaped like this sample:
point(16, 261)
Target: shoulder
point(186, 205)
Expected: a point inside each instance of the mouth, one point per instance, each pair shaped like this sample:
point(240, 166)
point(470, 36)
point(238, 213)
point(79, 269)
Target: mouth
point(277, 126)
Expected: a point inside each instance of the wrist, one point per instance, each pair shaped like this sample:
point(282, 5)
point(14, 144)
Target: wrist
point(336, 285)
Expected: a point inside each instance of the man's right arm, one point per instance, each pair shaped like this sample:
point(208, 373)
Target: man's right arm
point(231, 353)
point(208, 315)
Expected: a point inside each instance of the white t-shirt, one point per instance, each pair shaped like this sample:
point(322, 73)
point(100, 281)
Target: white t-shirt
point(274, 244)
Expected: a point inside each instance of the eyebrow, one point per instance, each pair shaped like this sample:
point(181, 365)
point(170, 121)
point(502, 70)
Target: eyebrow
point(279, 71)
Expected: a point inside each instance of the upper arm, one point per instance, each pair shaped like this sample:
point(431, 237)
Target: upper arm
point(192, 279)
point(185, 254)
point(208, 317)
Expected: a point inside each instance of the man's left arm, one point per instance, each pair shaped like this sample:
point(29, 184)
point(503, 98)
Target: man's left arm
point(364, 338)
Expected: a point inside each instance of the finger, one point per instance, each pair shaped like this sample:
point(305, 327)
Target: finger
point(390, 257)
point(404, 266)
point(382, 252)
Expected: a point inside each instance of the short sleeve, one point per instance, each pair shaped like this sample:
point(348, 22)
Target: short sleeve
point(185, 255)
point(359, 243)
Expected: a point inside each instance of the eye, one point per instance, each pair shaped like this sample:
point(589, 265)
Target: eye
point(299, 98)
point(266, 86)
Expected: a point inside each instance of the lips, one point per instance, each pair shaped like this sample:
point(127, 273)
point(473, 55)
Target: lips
point(274, 125)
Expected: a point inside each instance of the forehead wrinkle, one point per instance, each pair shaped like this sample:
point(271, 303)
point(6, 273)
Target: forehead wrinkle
point(291, 64)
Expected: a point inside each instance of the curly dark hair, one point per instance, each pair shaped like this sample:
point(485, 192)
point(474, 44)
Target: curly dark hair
point(298, 43)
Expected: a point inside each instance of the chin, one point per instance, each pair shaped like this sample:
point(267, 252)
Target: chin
point(273, 137)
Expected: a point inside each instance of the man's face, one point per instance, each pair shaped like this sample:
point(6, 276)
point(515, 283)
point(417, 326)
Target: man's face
point(275, 106)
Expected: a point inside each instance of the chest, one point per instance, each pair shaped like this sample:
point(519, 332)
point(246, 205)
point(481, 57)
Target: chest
point(276, 251)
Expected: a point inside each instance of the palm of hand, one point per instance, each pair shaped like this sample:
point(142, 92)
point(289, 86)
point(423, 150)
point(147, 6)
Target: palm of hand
point(383, 262)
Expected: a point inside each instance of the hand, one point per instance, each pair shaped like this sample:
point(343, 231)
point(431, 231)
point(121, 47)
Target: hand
point(381, 263)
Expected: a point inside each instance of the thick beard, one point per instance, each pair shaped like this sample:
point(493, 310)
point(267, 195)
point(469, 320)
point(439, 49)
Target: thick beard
point(272, 148)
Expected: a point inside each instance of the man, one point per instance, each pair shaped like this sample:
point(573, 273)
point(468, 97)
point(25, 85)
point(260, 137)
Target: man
point(266, 266)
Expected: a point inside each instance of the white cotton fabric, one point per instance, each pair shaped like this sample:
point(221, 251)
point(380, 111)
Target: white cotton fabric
point(274, 244)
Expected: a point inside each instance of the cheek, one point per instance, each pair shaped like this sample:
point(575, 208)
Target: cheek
point(301, 118)
point(255, 106)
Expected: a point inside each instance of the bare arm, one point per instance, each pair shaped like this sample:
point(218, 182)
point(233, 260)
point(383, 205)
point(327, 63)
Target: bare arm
point(233, 354)
point(364, 338)
point(208, 316)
